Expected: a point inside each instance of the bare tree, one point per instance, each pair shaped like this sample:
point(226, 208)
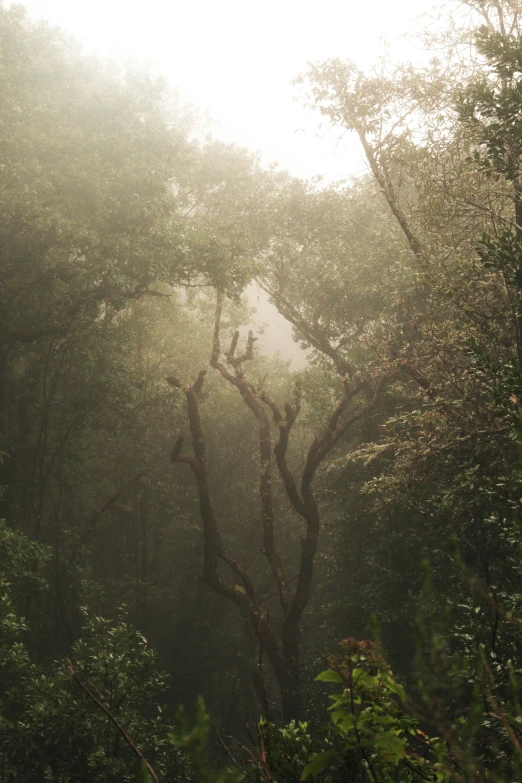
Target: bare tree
point(360, 397)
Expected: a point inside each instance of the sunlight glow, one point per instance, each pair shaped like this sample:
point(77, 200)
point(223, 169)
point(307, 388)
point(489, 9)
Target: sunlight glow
point(236, 59)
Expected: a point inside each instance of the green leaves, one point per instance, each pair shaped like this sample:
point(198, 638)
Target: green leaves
point(192, 738)
point(491, 106)
point(373, 730)
point(329, 676)
point(49, 728)
point(318, 763)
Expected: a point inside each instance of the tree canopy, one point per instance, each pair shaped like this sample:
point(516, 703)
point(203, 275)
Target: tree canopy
point(188, 521)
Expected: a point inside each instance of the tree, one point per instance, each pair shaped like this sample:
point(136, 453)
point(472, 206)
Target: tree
point(108, 210)
point(284, 655)
point(49, 727)
point(447, 461)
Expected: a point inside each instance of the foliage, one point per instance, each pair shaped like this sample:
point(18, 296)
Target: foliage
point(17, 558)
point(49, 728)
point(192, 737)
point(374, 732)
point(404, 287)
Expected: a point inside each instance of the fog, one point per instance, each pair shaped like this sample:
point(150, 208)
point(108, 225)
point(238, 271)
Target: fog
point(237, 61)
point(260, 383)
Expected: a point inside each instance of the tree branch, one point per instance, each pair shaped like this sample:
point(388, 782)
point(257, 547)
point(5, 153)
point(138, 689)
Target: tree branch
point(23, 336)
point(95, 517)
point(314, 334)
point(111, 717)
point(285, 425)
point(384, 181)
point(212, 548)
point(253, 401)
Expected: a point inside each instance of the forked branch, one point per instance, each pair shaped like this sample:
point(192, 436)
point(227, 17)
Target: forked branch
point(212, 548)
point(285, 660)
point(254, 401)
point(312, 333)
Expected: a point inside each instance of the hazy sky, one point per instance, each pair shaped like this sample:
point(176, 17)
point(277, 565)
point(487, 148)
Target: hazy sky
point(236, 59)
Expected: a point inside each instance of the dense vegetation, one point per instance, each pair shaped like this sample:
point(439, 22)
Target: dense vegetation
point(185, 521)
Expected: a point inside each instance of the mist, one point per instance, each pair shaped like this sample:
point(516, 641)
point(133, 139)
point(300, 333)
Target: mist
point(260, 383)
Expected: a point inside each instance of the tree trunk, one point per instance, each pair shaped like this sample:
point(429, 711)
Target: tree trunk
point(291, 695)
point(143, 518)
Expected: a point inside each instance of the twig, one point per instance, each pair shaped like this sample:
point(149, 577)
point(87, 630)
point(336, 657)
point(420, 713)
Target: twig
point(225, 747)
point(111, 717)
point(261, 673)
point(476, 584)
point(262, 756)
point(95, 516)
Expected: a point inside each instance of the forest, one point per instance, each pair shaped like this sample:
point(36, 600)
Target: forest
point(215, 567)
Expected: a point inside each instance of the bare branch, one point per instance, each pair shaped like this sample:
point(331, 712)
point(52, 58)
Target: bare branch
point(176, 451)
point(225, 747)
point(285, 425)
point(253, 401)
point(23, 336)
point(198, 384)
point(249, 353)
point(233, 346)
point(384, 181)
point(338, 425)
point(313, 334)
point(216, 347)
point(102, 706)
point(96, 516)
point(212, 547)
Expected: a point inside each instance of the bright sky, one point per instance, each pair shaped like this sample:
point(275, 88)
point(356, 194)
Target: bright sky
point(236, 59)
